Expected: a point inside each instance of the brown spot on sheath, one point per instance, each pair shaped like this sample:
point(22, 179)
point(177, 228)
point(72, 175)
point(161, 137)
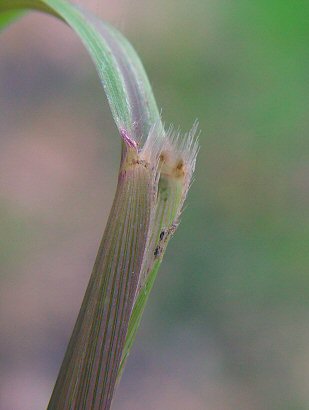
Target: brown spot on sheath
point(157, 251)
point(180, 165)
point(170, 167)
point(140, 162)
point(130, 160)
point(164, 156)
point(162, 235)
point(179, 169)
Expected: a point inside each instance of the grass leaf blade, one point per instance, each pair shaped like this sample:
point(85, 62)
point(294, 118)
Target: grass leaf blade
point(122, 74)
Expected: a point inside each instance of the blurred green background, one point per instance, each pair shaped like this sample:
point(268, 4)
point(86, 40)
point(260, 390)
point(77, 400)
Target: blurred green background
point(227, 325)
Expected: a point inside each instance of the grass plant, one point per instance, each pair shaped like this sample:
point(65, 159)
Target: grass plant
point(155, 173)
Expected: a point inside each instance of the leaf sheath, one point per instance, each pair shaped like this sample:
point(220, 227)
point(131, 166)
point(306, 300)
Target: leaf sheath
point(89, 371)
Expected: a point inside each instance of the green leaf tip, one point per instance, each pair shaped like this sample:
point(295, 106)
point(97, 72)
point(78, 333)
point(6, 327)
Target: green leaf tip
point(155, 174)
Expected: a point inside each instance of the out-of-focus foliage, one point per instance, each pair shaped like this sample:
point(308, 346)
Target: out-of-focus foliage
point(227, 324)
point(7, 18)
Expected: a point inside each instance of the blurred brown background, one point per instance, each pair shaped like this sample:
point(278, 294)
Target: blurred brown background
point(227, 325)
